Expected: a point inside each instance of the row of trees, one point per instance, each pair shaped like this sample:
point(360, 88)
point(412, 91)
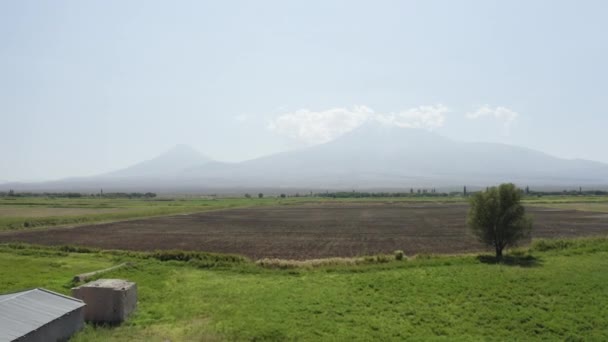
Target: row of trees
point(433, 193)
point(12, 193)
point(128, 195)
point(364, 194)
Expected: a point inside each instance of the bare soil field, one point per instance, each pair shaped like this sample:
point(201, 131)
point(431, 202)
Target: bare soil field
point(310, 231)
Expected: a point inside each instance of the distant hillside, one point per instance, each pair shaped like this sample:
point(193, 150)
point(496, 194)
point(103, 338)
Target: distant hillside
point(373, 156)
point(379, 156)
point(168, 164)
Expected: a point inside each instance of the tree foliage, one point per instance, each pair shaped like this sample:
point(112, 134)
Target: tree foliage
point(12, 193)
point(497, 217)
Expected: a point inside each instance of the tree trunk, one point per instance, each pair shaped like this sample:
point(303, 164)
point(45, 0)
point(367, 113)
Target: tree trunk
point(498, 253)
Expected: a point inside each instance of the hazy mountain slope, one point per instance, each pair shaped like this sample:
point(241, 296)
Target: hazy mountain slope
point(168, 164)
point(383, 156)
point(372, 156)
point(163, 173)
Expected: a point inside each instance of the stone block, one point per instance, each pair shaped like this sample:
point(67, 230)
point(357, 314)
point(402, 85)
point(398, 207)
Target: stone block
point(107, 300)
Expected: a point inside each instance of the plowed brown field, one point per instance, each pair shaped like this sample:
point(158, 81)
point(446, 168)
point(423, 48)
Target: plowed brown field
point(310, 231)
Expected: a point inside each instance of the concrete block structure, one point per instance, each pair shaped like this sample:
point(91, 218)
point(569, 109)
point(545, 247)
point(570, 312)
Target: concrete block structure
point(108, 301)
point(39, 315)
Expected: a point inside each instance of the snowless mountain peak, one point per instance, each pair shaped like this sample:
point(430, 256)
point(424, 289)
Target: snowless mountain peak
point(372, 156)
point(167, 164)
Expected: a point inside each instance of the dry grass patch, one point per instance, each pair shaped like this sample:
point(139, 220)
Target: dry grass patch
point(337, 261)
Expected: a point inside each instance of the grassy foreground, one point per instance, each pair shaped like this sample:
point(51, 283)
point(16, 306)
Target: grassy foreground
point(557, 290)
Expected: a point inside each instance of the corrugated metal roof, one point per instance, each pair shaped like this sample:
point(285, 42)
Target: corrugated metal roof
point(26, 311)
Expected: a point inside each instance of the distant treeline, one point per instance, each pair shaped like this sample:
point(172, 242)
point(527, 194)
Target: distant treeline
point(339, 194)
point(357, 194)
point(12, 193)
point(567, 193)
point(434, 193)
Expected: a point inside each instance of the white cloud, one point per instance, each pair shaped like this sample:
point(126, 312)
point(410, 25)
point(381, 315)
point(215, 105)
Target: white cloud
point(318, 127)
point(427, 117)
point(505, 115)
point(315, 127)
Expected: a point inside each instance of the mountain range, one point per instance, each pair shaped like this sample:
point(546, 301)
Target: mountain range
point(373, 156)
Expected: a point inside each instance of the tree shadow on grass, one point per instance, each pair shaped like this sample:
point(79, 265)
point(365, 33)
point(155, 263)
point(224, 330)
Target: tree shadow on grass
point(107, 325)
point(520, 260)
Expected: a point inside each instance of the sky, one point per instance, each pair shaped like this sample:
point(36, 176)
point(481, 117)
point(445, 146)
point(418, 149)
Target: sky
point(88, 87)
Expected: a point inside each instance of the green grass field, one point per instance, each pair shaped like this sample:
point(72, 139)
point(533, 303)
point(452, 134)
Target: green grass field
point(557, 290)
point(583, 203)
point(27, 213)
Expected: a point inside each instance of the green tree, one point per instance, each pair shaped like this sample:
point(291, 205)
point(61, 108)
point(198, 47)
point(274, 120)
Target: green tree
point(260, 195)
point(497, 217)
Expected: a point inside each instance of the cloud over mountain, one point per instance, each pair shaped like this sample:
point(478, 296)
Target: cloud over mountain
point(502, 114)
point(317, 127)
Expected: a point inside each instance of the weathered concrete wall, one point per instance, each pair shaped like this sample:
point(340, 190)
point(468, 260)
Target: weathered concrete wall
point(108, 300)
point(58, 330)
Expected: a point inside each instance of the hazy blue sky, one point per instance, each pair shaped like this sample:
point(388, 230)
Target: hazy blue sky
point(91, 86)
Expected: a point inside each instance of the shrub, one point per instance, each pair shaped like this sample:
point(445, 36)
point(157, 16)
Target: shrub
point(76, 249)
point(399, 255)
point(200, 257)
